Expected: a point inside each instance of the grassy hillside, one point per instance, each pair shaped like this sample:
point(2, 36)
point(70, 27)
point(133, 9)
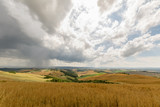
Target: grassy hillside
point(38, 75)
point(6, 76)
point(118, 71)
point(53, 73)
point(87, 72)
point(125, 78)
point(91, 75)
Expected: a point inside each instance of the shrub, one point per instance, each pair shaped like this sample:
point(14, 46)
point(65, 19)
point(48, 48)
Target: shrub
point(47, 77)
point(70, 73)
point(14, 72)
point(96, 81)
point(3, 81)
point(54, 79)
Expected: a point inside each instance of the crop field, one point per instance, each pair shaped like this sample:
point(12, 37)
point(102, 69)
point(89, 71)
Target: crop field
point(32, 94)
point(129, 91)
point(118, 71)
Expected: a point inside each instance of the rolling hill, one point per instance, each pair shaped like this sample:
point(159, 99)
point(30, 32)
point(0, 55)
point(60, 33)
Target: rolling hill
point(6, 76)
point(125, 78)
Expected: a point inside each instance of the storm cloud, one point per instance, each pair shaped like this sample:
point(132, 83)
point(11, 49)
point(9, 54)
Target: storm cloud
point(16, 43)
point(49, 12)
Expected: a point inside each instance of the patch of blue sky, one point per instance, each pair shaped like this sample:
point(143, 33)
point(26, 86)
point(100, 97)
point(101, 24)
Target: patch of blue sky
point(134, 35)
point(115, 16)
point(152, 52)
point(157, 42)
point(155, 30)
point(106, 44)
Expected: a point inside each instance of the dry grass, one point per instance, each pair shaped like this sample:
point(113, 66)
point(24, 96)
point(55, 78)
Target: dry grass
point(125, 78)
point(136, 91)
point(22, 77)
point(4, 79)
point(54, 73)
point(29, 94)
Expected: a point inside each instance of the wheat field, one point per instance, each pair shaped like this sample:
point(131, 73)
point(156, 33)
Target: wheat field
point(33, 94)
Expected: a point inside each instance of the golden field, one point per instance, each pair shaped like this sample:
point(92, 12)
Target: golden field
point(26, 77)
point(131, 91)
point(32, 94)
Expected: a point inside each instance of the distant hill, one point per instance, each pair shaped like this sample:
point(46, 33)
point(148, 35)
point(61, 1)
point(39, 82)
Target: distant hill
point(125, 78)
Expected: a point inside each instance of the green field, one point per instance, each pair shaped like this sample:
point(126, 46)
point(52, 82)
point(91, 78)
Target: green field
point(91, 75)
point(119, 71)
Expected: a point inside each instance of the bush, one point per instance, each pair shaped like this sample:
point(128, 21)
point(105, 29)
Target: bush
point(96, 81)
point(54, 79)
point(3, 81)
point(14, 72)
point(47, 77)
point(70, 73)
point(123, 73)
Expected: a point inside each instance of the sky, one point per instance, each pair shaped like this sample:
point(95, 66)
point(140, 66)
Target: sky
point(84, 33)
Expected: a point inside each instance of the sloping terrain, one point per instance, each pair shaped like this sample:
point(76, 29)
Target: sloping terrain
point(125, 78)
point(154, 74)
point(53, 73)
point(6, 76)
point(88, 72)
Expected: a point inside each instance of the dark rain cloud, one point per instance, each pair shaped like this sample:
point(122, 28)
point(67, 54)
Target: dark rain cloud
point(14, 43)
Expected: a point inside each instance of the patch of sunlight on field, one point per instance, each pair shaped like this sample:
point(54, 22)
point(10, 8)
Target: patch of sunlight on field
point(22, 77)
